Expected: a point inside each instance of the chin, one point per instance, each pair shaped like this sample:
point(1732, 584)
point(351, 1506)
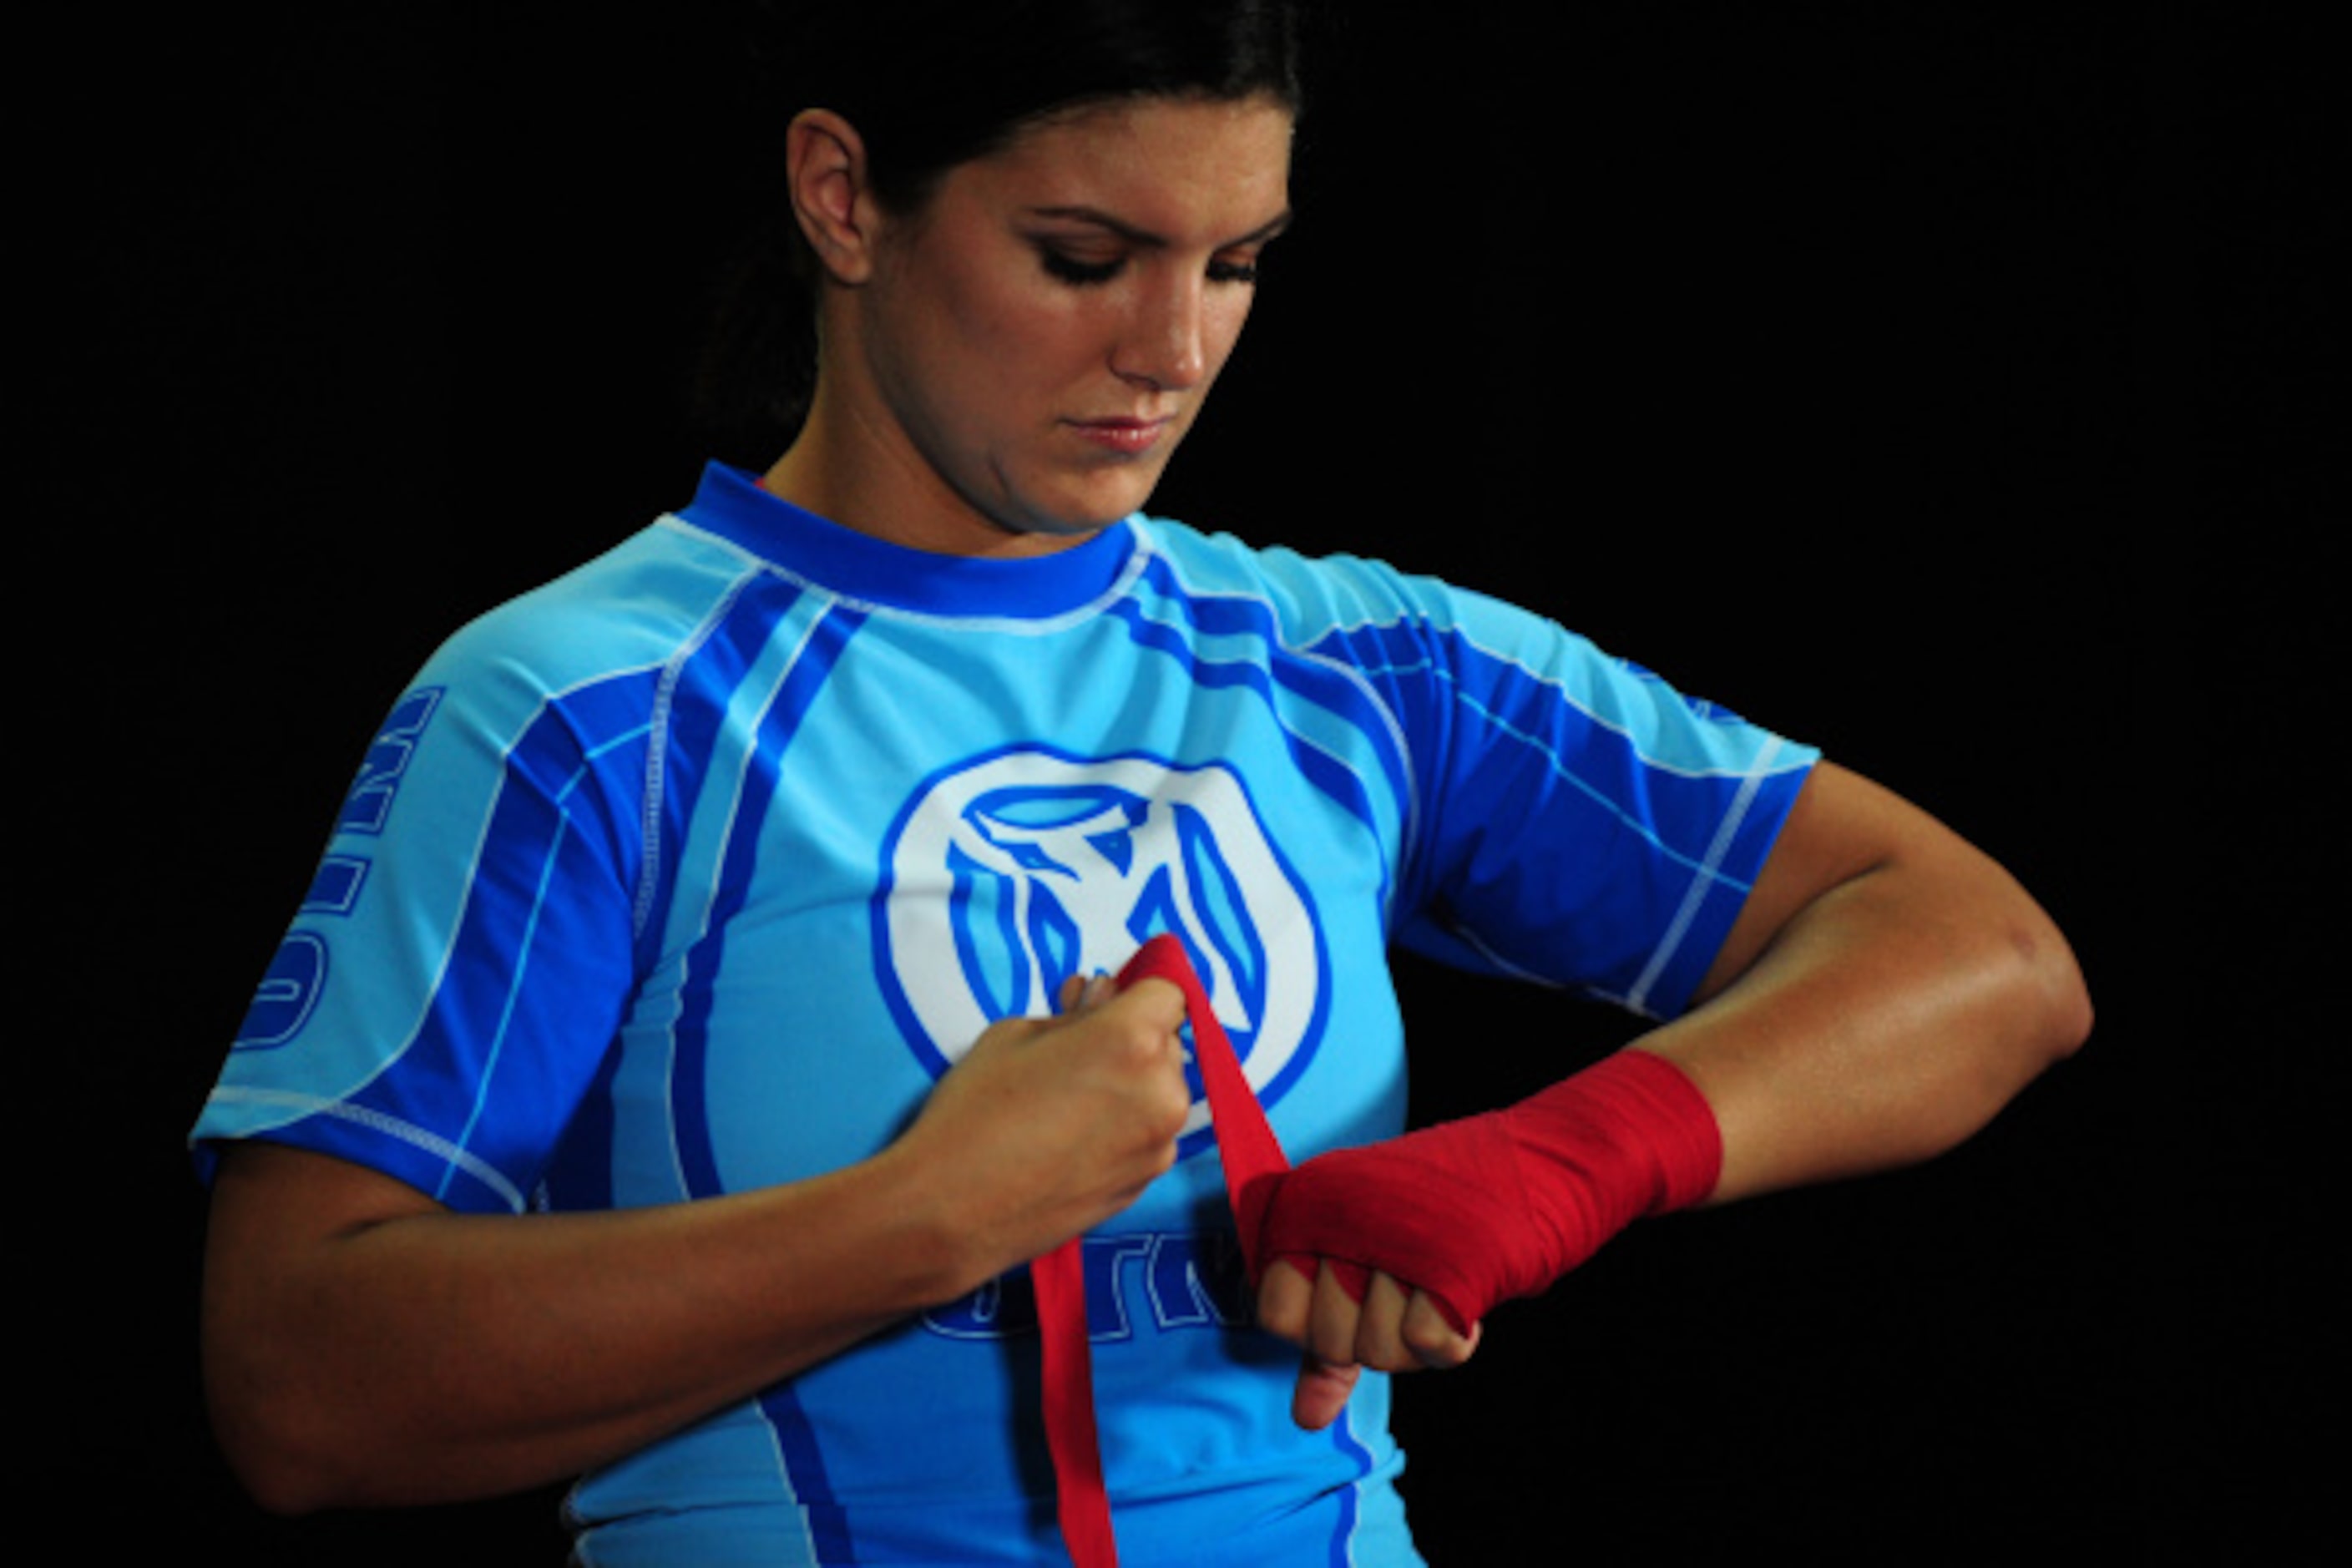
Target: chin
point(1087, 511)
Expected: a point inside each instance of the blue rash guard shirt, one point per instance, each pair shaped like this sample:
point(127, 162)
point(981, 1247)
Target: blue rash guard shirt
point(693, 871)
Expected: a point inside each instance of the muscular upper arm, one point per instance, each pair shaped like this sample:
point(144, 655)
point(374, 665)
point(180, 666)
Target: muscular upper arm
point(273, 1208)
point(270, 1197)
point(1843, 826)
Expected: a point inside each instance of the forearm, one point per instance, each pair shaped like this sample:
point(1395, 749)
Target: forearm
point(1887, 990)
point(426, 1356)
point(364, 1345)
point(1887, 1021)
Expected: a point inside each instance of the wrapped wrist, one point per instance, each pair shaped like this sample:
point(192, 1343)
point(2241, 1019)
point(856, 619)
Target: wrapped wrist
point(1496, 1206)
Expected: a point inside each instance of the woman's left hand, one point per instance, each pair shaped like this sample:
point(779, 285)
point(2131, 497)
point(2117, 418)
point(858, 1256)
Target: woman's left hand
point(1392, 1329)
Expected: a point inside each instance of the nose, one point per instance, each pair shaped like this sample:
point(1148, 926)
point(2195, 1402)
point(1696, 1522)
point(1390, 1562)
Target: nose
point(1166, 344)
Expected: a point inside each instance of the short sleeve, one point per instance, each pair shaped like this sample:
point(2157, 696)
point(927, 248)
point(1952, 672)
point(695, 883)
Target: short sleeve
point(1584, 823)
point(442, 998)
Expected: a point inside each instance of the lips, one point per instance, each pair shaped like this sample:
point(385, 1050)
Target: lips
point(1128, 437)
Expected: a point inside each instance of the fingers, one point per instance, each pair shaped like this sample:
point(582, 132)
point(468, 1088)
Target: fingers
point(1154, 1005)
point(1322, 1392)
point(1381, 1338)
point(1339, 1329)
point(1133, 1036)
point(1144, 1020)
point(1153, 1002)
point(1140, 1025)
point(1055, 1123)
point(1431, 1339)
point(1391, 1329)
point(1403, 1330)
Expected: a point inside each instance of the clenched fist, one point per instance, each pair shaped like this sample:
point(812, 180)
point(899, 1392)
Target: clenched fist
point(1050, 1126)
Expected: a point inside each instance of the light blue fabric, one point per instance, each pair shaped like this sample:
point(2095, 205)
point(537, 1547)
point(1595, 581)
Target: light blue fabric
point(692, 871)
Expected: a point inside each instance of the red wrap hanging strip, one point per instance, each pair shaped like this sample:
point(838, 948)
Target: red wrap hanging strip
point(1254, 1164)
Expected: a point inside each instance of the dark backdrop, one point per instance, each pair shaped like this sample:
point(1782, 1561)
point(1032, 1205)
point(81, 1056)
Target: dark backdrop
point(1939, 383)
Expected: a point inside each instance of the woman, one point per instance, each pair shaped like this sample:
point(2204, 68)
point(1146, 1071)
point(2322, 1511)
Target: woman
point(700, 1018)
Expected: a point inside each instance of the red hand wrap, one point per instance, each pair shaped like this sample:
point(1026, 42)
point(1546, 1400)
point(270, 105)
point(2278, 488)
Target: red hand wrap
point(1495, 1207)
point(1253, 1164)
point(1474, 1212)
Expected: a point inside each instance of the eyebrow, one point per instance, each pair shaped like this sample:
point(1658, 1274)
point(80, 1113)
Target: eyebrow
point(1145, 237)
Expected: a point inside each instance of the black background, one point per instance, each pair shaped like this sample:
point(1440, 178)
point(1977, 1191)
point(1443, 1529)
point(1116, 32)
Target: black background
point(1940, 384)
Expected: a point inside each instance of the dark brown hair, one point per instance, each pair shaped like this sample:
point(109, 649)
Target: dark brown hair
point(931, 84)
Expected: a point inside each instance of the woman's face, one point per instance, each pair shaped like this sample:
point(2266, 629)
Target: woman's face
point(1036, 341)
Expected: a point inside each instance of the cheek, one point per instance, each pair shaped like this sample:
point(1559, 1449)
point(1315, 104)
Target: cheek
point(1014, 344)
point(953, 317)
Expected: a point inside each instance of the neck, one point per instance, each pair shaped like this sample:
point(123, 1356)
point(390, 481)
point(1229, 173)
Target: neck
point(854, 476)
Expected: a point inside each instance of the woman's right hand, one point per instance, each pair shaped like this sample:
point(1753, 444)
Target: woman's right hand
point(363, 1345)
point(1050, 1126)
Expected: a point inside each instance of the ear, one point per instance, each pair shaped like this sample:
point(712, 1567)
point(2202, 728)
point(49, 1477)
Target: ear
point(825, 163)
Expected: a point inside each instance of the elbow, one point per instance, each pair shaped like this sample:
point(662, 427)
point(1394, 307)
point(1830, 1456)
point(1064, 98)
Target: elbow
point(266, 1448)
point(2075, 1017)
point(2033, 1012)
point(2039, 1014)
point(2030, 1009)
point(275, 1480)
point(283, 1427)
point(277, 1490)
point(2053, 993)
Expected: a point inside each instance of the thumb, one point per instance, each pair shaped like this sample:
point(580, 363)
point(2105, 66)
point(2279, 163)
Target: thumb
point(1322, 1392)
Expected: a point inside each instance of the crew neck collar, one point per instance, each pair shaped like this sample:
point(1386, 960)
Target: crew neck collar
point(731, 503)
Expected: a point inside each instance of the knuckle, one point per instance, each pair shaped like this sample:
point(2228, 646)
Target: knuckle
point(1427, 1343)
point(1159, 1002)
point(1141, 1042)
point(1282, 1300)
point(1334, 1327)
point(1433, 1341)
point(1332, 1343)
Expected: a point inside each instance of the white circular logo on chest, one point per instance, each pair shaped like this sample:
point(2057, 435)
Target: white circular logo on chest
point(1011, 874)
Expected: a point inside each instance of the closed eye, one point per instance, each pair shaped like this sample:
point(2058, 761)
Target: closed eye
point(1080, 274)
point(1061, 264)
